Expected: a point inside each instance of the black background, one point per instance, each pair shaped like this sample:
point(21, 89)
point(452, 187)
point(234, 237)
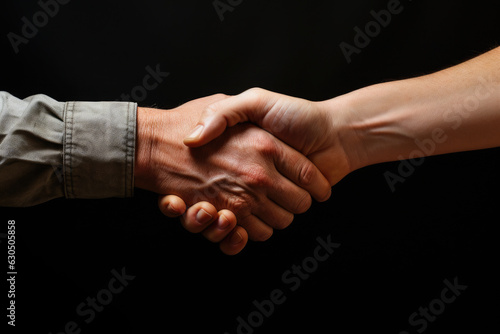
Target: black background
point(396, 247)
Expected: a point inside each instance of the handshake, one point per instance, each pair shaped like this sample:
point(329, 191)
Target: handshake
point(258, 175)
point(289, 150)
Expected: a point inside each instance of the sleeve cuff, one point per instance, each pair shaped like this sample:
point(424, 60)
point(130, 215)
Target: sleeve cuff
point(99, 149)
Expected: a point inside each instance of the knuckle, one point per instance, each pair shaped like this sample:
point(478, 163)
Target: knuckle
point(240, 206)
point(306, 174)
point(211, 109)
point(304, 202)
point(256, 91)
point(220, 96)
point(258, 177)
point(264, 143)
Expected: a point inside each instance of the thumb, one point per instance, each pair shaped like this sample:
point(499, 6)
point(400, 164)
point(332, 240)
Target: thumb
point(208, 128)
point(251, 105)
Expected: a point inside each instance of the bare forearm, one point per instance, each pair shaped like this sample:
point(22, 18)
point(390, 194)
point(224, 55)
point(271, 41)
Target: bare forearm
point(457, 109)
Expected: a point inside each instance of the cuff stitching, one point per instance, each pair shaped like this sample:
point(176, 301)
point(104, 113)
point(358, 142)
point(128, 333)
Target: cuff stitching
point(68, 150)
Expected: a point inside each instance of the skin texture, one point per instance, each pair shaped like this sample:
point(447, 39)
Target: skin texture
point(246, 171)
point(219, 227)
point(457, 109)
point(307, 126)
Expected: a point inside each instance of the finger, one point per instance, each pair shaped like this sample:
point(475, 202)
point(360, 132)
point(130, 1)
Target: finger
point(257, 230)
point(274, 214)
point(171, 205)
point(198, 217)
point(235, 241)
point(251, 105)
point(221, 227)
point(301, 171)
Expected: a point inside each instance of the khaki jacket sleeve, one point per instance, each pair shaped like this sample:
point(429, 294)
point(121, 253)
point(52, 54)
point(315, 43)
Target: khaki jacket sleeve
point(51, 149)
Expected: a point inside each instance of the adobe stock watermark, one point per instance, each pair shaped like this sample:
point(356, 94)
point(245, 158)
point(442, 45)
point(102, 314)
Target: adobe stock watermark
point(454, 117)
point(420, 320)
point(223, 6)
point(30, 28)
point(150, 82)
point(88, 309)
point(292, 278)
point(371, 30)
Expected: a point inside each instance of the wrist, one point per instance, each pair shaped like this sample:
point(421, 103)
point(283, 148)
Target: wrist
point(144, 144)
point(375, 123)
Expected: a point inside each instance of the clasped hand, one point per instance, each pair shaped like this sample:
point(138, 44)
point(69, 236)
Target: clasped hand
point(254, 179)
point(262, 172)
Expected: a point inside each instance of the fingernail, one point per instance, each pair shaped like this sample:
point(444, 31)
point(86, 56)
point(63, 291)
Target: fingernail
point(173, 210)
point(236, 238)
point(196, 132)
point(223, 222)
point(203, 217)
